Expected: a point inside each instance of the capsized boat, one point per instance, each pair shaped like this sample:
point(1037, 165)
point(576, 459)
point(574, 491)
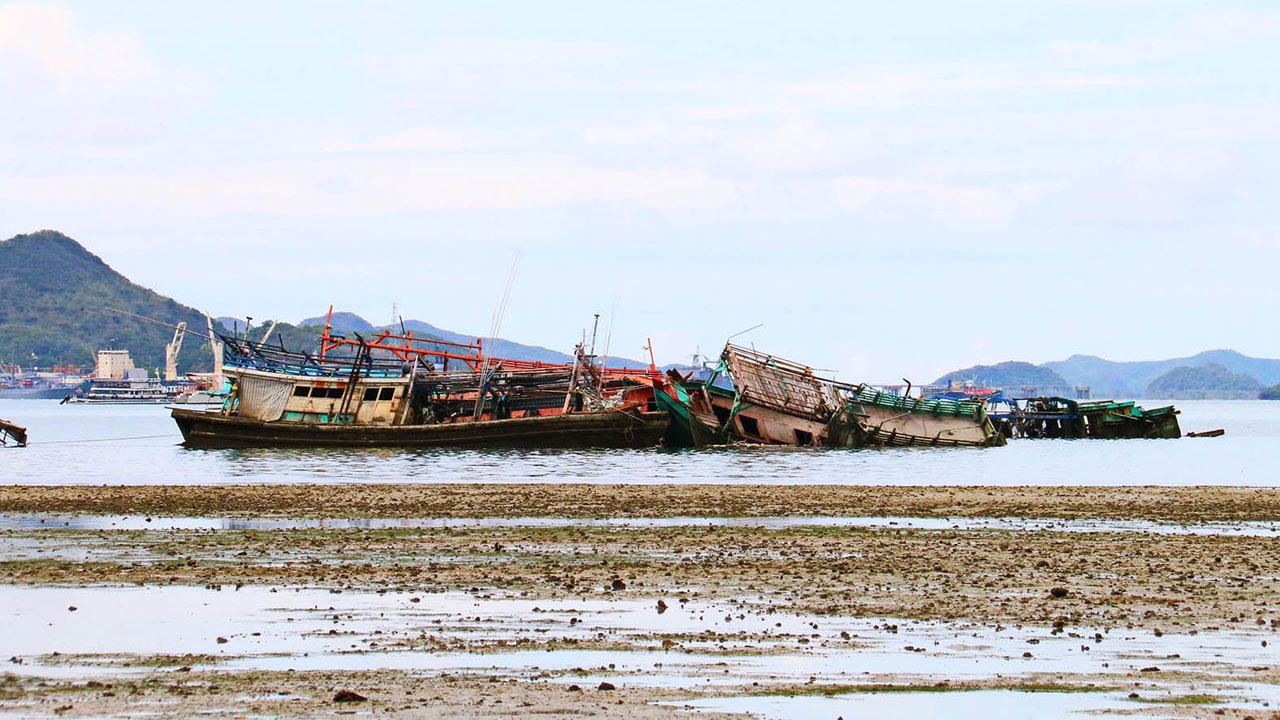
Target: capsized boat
point(406, 391)
point(780, 402)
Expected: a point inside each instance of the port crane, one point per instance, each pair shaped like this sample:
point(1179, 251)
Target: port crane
point(171, 352)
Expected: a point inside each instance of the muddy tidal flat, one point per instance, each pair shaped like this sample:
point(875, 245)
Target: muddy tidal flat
point(654, 601)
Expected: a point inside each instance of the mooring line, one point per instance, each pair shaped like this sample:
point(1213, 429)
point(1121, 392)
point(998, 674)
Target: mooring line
point(76, 442)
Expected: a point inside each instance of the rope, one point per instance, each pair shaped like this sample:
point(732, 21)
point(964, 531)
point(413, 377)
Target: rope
point(77, 442)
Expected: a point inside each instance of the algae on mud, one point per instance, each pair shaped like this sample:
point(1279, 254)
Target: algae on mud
point(1186, 504)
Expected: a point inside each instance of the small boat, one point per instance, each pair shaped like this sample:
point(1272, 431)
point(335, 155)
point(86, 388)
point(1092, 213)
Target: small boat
point(12, 432)
point(1219, 432)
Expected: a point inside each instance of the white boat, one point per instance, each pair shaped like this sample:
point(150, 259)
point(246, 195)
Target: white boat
point(117, 381)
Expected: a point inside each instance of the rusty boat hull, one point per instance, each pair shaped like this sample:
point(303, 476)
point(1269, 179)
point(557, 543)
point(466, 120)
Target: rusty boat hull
point(574, 430)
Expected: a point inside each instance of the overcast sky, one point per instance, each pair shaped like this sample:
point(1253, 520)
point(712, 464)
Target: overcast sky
point(892, 189)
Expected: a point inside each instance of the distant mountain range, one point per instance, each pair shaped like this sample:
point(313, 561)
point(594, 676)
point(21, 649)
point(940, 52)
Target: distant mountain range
point(1214, 373)
point(1132, 378)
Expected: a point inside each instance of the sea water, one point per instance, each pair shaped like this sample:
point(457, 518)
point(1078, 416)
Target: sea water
point(141, 445)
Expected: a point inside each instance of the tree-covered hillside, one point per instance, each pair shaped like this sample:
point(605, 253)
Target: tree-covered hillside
point(1203, 382)
point(54, 300)
point(1008, 375)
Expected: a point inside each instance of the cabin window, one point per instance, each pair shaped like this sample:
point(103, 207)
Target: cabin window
point(301, 391)
point(804, 438)
point(387, 393)
point(370, 394)
point(334, 392)
point(749, 425)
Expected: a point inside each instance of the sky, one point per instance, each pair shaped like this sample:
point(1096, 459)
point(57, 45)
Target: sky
point(886, 190)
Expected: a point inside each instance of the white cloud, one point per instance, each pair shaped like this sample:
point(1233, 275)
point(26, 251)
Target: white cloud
point(49, 36)
point(942, 202)
point(368, 186)
point(1197, 33)
point(84, 95)
point(423, 139)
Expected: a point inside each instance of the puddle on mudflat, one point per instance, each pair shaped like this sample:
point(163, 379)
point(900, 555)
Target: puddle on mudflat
point(968, 705)
point(143, 522)
point(706, 643)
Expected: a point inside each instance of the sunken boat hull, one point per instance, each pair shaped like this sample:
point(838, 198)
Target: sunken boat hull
point(585, 430)
point(1056, 417)
point(780, 402)
point(874, 418)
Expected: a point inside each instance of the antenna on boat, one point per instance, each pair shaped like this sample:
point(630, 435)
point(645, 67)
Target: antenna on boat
point(743, 332)
point(608, 336)
point(494, 329)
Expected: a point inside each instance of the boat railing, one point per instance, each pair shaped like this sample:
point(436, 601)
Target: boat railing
point(936, 406)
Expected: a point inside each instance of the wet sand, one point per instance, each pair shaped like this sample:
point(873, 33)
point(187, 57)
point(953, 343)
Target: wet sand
point(1172, 504)
point(1081, 583)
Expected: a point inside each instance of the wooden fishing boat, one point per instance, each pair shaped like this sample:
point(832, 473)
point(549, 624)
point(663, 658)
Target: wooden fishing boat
point(571, 430)
point(411, 392)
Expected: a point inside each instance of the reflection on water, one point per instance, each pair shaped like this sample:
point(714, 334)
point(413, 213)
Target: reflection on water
point(145, 522)
point(85, 444)
point(975, 705)
point(253, 628)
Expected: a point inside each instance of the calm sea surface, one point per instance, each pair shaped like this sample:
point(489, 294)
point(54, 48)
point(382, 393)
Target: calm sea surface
point(134, 444)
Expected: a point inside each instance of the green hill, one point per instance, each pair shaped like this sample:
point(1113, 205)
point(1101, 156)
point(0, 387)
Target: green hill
point(1010, 375)
point(1204, 382)
point(54, 296)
